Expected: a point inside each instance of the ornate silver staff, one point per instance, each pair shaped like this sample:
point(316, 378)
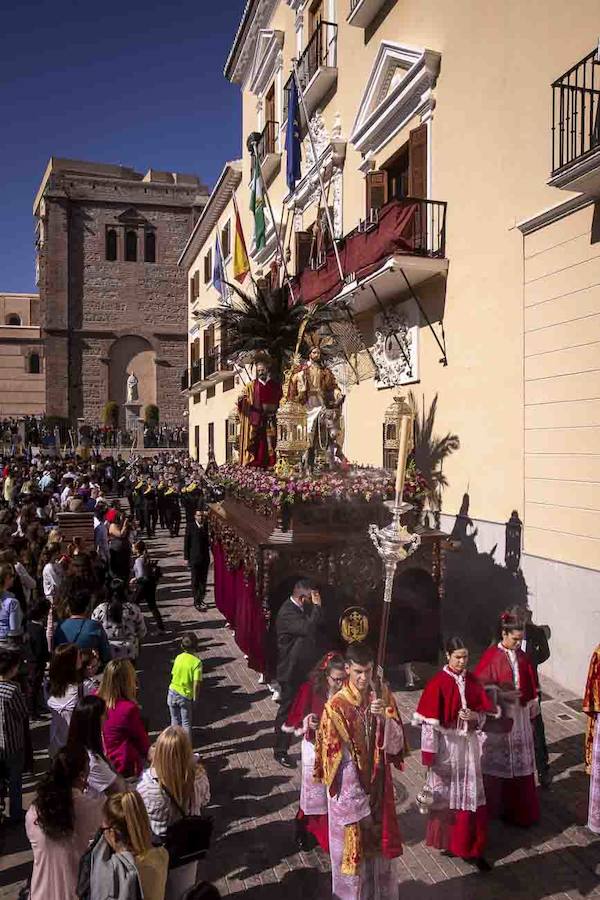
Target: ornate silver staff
point(395, 543)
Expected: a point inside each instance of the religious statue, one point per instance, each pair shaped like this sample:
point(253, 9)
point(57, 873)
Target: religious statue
point(132, 389)
point(315, 385)
point(257, 407)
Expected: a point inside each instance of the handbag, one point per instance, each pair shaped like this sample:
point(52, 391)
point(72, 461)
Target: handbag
point(83, 889)
point(188, 838)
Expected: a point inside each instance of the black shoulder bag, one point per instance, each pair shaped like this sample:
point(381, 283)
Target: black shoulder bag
point(188, 838)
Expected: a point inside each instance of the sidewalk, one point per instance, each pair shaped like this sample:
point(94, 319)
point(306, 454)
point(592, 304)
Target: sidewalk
point(255, 800)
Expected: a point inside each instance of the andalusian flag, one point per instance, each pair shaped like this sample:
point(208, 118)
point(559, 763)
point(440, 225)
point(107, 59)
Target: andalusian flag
point(241, 263)
point(257, 207)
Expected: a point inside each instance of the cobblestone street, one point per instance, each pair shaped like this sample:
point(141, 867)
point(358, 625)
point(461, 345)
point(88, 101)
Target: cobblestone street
point(254, 799)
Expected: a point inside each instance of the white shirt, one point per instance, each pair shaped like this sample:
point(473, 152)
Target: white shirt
point(61, 709)
point(101, 775)
point(52, 579)
point(27, 582)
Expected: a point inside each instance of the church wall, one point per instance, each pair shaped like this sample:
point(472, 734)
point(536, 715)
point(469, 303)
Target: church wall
point(90, 302)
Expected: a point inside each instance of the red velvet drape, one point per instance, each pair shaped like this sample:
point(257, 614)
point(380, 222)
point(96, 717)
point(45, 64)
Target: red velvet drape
point(236, 600)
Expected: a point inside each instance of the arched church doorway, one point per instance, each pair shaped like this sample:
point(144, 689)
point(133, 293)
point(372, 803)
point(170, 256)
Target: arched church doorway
point(128, 354)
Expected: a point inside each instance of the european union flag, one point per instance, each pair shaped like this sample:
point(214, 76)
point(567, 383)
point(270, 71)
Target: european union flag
point(218, 273)
point(292, 138)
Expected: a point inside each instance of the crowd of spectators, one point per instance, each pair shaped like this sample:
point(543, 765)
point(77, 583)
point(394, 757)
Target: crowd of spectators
point(74, 613)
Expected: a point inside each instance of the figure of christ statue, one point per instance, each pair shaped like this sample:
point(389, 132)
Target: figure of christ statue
point(315, 385)
point(257, 407)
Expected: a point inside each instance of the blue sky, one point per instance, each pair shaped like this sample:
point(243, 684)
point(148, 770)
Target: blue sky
point(130, 82)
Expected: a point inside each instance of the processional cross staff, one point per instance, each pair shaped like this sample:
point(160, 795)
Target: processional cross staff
point(394, 543)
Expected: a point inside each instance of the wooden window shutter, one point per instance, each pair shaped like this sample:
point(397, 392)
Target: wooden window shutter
point(303, 248)
point(417, 162)
point(196, 284)
point(377, 190)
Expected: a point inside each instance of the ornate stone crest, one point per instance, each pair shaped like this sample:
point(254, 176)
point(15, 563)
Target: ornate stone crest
point(395, 351)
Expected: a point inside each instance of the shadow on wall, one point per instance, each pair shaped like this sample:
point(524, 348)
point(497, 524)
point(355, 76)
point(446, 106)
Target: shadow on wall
point(478, 588)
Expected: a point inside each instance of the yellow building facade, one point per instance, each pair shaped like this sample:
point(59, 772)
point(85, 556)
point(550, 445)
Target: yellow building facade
point(461, 188)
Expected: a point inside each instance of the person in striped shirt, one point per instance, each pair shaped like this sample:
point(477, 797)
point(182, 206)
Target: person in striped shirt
point(13, 724)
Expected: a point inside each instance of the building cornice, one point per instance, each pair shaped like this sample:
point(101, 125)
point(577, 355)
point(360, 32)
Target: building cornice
point(268, 48)
point(256, 16)
point(383, 112)
point(224, 189)
point(554, 213)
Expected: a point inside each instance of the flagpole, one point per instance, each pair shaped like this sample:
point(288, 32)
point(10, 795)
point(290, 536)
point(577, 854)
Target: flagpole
point(314, 150)
point(252, 145)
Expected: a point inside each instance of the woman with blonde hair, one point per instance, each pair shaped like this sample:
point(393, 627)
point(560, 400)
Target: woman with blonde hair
point(125, 736)
point(126, 855)
point(176, 772)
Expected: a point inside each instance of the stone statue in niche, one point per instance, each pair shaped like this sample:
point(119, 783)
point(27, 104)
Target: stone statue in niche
point(132, 389)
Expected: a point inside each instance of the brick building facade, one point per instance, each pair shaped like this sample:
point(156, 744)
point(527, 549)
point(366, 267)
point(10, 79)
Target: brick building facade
point(113, 299)
point(22, 364)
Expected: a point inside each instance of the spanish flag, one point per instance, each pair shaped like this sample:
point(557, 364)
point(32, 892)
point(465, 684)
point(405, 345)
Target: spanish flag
point(241, 263)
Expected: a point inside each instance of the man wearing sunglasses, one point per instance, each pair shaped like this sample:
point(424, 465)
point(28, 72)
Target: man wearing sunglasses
point(296, 627)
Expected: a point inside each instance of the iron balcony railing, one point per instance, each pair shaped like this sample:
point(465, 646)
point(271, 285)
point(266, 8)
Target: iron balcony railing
point(425, 231)
point(216, 361)
point(576, 112)
point(320, 51)
point(268, 140)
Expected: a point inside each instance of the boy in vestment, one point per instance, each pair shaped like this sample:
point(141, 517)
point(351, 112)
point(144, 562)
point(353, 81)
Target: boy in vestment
point(359, 738)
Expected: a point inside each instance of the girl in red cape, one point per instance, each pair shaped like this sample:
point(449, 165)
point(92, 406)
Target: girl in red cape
point(452, 712)
point(303, 719)
point(508, 761)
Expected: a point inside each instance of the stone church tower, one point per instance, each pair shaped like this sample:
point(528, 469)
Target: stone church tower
point(113, 298)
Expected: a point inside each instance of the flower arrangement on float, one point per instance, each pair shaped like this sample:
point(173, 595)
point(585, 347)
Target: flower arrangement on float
point(269, 492)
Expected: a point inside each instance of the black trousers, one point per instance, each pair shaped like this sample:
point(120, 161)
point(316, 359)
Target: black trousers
point(173, 520)
point(283, 739)
point(199, 573)
point(147, 593)
point(540, 745)
point(151, 520)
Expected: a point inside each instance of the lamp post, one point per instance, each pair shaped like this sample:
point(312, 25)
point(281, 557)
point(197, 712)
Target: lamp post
point(395, 543)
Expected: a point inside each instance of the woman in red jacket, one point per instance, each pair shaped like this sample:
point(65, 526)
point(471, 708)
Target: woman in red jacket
point(508, 761)
point(452, 712)
point(125, 738)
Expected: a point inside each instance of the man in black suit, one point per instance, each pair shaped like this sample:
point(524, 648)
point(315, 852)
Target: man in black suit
point(296, 628)
point(535, 645)
point(197, 553)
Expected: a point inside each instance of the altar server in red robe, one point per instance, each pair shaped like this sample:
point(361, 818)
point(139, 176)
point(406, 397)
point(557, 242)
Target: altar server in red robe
point(452, 712)
point(591, 706)
point(359, 739)
point(257, 407)
point(303, 719)
point(508, 761)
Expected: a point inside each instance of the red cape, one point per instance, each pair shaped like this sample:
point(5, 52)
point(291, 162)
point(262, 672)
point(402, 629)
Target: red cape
point(494, 668)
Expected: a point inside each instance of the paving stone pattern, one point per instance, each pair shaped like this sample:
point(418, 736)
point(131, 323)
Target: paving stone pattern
point(254, 800)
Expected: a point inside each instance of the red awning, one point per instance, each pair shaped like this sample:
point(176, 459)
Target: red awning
point(399, 231)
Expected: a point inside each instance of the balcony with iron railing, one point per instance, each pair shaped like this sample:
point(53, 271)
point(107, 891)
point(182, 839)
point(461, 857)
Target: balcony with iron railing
point(268, 152)
point(317, 68)
point(393, 249)
point(362, 12)
point(576, 127)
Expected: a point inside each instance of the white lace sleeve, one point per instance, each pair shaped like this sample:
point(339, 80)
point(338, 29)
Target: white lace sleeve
point(429, 738)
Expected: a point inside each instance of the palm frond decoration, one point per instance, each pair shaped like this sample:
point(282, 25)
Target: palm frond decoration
point(430, 450)
point(266, 323)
